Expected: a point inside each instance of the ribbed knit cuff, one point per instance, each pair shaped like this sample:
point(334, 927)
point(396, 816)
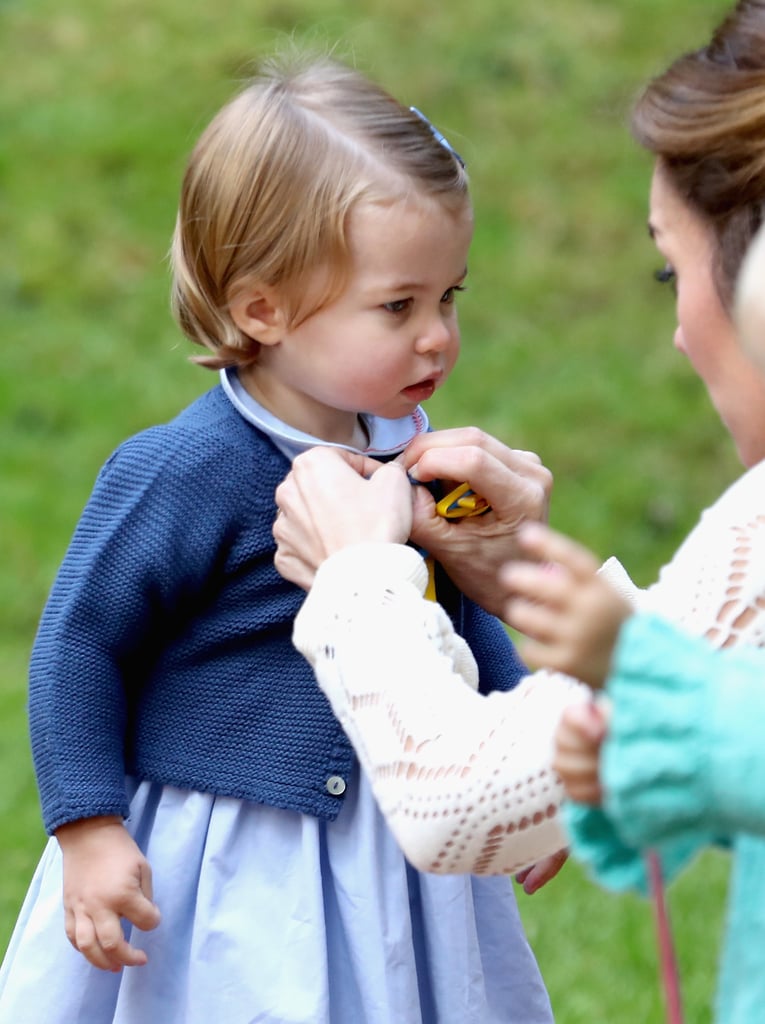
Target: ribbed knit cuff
point(656, 762)
point(614, 864)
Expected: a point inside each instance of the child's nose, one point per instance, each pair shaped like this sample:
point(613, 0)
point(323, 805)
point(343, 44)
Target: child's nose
point(436, 336)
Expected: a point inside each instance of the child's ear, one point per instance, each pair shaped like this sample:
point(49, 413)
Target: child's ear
point(257, 312)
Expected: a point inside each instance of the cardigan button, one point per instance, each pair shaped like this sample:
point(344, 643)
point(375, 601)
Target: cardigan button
point(335, 785)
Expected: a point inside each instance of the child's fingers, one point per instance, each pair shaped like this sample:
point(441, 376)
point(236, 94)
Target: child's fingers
point(526, 617)
point(584, 724)
point(539, 622)
point(539, 654)
point(585, 789)
point(101, 943)
point(533, 878)
point(546, 545)
point(115, 947)
point(82, 934)
point(576, 759)
point(139, 907)
point(545, 583)
point(579, 775)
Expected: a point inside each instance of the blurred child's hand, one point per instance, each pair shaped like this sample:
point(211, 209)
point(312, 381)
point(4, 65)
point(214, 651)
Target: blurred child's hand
point(106, 877)
point(578, 740)
point(533, 878)
point(570, 615)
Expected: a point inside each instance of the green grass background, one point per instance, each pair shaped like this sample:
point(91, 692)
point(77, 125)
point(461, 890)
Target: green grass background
point(567, 339)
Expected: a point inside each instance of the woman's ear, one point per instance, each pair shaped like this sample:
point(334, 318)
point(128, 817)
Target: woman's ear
point(257, 312)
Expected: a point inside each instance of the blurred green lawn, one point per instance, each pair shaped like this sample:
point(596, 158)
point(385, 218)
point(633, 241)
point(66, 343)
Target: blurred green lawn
point(567, 339)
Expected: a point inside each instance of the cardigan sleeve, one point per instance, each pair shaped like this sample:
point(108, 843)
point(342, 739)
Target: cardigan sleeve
point(683, 761)
point(146, 546)
point(463, 779)
point(674, 698)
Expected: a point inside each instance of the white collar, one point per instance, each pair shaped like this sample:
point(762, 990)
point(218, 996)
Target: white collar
point(386, 437)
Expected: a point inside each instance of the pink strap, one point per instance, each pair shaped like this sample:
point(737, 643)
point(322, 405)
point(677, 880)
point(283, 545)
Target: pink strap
point(667, 962)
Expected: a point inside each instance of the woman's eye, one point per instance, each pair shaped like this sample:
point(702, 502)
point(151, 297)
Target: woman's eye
point(397, 306)
point(448, 295)
point(667, 275)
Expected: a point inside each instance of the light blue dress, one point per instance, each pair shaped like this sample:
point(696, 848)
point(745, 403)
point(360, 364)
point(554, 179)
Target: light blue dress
point(274, 917)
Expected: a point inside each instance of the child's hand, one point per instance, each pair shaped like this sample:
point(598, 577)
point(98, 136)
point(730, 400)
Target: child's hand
point(106, 877)
point(533, 878)
point(571, 615)
point(578, 740)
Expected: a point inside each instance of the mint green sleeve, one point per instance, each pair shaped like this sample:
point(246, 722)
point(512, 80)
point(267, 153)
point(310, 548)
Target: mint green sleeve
point(684, 759)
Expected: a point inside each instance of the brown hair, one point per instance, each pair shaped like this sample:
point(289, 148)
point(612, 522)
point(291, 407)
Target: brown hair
point(704, 119)
point(270, 185)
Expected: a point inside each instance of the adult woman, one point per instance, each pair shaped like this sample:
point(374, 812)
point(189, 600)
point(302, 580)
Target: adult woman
point(704, 121)
point(677, 758)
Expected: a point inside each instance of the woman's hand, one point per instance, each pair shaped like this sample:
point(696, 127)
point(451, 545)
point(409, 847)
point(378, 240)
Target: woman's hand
point(570, 616)
point(333, 498)
point(106, 878)
point(516, 485)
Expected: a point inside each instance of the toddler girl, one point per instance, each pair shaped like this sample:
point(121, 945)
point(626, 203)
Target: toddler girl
point(178, 736)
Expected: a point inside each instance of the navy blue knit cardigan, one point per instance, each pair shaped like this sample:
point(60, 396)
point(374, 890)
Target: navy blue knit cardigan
point(164, 650)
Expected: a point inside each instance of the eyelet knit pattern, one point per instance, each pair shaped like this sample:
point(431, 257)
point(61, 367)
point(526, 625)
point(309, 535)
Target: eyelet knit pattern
point(464, 781)
point(713, 586)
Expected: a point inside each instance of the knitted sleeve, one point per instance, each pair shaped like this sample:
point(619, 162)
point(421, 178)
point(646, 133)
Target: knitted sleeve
point(714, 585)
point(147, 545)
point(685, 748)
point(684, 759)
point(676, 710)
point(463, 779)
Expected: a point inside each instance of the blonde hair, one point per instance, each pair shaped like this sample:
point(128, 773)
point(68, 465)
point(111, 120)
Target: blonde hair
point(704, 119)
point(270, 185)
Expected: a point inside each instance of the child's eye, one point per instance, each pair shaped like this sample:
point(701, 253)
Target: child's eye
point(397, 306)
point(667, 275)
point(448, 295)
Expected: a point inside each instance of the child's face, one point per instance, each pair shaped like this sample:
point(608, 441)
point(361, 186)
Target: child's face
point(389, 339)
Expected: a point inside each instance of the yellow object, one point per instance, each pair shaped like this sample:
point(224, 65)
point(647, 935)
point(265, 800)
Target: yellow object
point(457, 504)
point(461, 503)
point(430, 589)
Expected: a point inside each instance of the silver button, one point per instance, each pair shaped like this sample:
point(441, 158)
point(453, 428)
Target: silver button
point(336, 785)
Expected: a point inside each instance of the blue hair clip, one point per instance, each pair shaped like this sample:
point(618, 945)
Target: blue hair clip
point(439, 137)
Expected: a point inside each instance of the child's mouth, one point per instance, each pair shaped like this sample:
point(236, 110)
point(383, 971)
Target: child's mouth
point(421, 391)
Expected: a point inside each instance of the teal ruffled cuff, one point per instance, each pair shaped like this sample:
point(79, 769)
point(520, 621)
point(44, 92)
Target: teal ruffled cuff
point(596, 844)
point(684, 752)
point(611, 862)
point(656, 761)
point(682, 763)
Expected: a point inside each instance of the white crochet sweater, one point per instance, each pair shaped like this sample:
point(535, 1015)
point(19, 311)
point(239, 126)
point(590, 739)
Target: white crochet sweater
point(465, 780)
